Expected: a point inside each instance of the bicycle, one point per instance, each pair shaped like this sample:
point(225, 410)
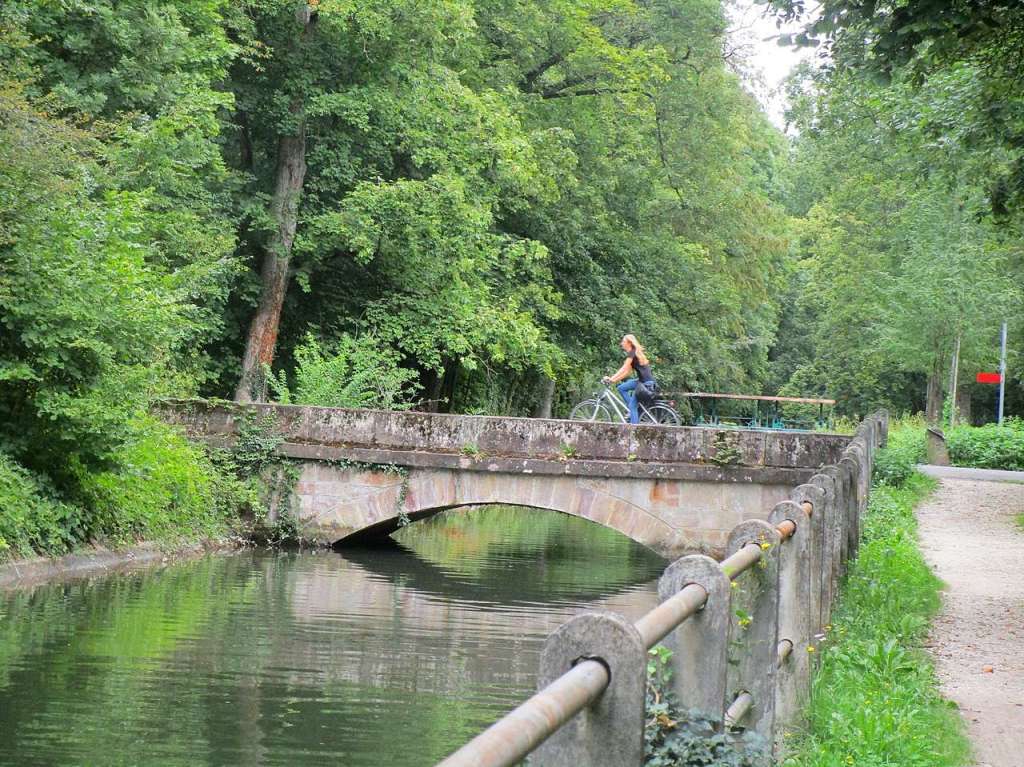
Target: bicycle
point(607, 405)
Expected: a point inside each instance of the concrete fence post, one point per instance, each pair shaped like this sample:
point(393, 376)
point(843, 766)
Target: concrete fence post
point(840, 541)
point(792, 682)
point(826, 569)
point(850, 468)
point(753, 629)
point(814, 495)
point(610, 733)
point(863, 450)
point(699, 646)
point(853, 463)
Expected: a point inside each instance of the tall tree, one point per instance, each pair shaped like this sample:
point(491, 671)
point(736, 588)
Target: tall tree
point(289, 177)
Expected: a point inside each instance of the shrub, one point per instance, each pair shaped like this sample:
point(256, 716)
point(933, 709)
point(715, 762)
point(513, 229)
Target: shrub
point(353, 372)
point(674, 737)
point(989, 446)
point(161, 487)
point(30, 519)
point(895, 464)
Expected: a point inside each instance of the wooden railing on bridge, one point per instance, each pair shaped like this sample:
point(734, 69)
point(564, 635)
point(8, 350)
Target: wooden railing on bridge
point(741, 655)
point(771, 416)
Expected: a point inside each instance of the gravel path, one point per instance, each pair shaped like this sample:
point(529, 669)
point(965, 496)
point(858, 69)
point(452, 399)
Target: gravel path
point(970, 537)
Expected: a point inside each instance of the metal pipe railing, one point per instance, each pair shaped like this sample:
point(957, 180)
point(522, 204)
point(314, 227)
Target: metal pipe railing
point(511, 739)
point(666, 617)
point(738, 709)
point(741, 561)
point(514, 736)
point(783, 651)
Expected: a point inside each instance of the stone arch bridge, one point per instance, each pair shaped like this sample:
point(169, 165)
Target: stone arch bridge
point(672, 489)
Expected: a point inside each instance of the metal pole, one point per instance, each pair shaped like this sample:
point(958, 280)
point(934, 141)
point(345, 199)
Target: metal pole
point(1002, 372)
point(953, 376)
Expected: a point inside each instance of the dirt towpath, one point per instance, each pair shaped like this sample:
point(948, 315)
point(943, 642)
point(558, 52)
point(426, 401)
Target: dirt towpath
point(970, 536)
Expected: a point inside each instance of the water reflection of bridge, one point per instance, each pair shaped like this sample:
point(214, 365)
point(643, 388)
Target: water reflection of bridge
point(461, 641)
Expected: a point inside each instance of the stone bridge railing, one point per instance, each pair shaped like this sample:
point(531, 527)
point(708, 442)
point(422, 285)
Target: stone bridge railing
point(742, 631)
point(361, 474)
point(442, 440)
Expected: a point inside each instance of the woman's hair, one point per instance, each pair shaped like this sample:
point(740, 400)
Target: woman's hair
point(641, 355)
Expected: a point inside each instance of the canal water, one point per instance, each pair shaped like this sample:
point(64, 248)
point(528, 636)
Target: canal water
point(386, 657)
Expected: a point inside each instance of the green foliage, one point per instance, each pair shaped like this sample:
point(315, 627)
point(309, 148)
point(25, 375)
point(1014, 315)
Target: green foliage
point(726, 449)
point(675, 738)
point(255, 444)
point(114, 263)
point(988, 447)
point(895, 464)
point(875, 698)
point(162, 487)
point(352, 372)
point(568, 451)
point(907, 186)
point(265, 481)
point(471, 450)
point(31, 520)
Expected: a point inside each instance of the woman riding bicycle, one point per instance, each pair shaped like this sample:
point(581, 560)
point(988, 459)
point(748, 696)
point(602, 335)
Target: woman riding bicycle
point(636, 362)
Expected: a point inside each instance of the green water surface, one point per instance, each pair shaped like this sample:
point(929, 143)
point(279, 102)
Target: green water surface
point(386, 656)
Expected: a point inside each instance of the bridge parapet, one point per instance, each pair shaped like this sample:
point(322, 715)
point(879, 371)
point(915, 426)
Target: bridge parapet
point(672, 489)
point(438, 439)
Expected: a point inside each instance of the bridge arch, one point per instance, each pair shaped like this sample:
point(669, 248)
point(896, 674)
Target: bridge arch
point(350, 505)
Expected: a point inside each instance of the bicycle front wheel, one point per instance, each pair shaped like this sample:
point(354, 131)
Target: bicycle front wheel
point(661, 414)
point(591, 410)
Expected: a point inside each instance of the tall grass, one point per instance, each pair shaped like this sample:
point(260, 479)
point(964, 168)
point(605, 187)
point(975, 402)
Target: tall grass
point(906, 448)
point(875, 699)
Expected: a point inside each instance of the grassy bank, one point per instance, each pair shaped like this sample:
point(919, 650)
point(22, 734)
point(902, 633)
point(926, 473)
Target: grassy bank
point(875, 699)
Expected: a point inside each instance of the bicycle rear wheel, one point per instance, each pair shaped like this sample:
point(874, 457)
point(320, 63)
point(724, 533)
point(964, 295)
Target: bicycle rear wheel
point(591, 410)
point(661, 414)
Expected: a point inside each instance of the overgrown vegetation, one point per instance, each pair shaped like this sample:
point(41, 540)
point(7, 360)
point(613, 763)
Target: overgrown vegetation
point(676, 738)
point(875, 698)
point(896, 464)
point(906, 189)
point(988, 447)
point(354, 373)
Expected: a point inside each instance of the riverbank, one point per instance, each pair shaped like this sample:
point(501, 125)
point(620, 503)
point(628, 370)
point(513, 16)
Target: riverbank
point(97, 560)
point(875, 698)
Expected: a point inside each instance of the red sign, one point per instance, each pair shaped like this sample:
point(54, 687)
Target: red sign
point(988, 378)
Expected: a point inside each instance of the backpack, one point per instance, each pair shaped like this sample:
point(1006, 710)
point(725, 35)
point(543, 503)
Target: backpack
point(646, 392)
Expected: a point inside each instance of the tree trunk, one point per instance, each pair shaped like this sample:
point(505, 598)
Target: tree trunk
point(451, 374)
point(290, 175)
point(933, 406)
point(284, 208)
point(433, 390)
point(963, 404)
point(547, 396)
